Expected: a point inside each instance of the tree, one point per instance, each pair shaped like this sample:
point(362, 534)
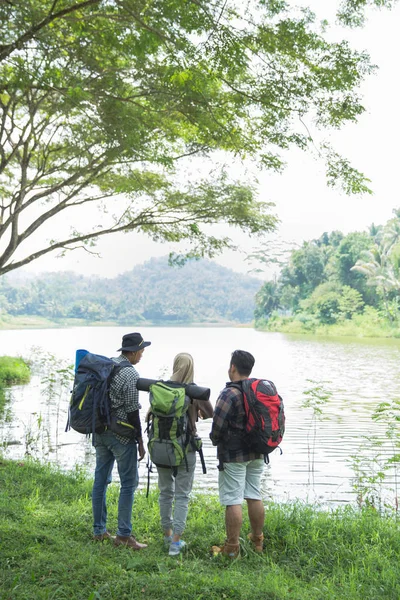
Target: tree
point(346, 256)
point(376, 265)
point(306, 269)
point(100, 101)
point(267, 300)
point(330, 302)
point(352, 12)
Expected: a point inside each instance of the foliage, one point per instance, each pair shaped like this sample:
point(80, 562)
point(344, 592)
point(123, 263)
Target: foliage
point(200, 291)
point(377, 460)
point(380, 264)
point(267, 300)
point(329, 303)
point(41, 433)
point(309, 554)
point(352, 12)
point(102, 101)
point(305, 269)
point(13, 370)
point(370, 323)
point(338, 279)
point(346, 256)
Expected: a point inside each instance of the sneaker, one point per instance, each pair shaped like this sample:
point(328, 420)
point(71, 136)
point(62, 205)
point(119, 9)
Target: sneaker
point(103, 536)
point(176, 548)
point(167, 541)
point(129, 541)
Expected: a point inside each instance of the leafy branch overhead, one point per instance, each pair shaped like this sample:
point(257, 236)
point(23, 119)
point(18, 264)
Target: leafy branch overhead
point(101, 102)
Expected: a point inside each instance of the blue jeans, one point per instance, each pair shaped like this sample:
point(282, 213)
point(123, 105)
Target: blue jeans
point(109, 450)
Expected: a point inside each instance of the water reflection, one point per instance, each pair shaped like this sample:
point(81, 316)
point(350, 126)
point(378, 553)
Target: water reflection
point(362, 374)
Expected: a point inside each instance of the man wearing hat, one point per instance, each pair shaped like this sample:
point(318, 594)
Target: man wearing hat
point(111, 447)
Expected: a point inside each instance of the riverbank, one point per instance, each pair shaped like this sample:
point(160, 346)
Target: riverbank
point(8, 322)
point(12, 371)
point(368, 325)
point(47, 552)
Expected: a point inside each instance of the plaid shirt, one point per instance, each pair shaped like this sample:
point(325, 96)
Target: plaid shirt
point(124, 394)
point(230, 418)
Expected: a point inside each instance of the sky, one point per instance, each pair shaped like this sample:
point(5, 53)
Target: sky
point(304, 204)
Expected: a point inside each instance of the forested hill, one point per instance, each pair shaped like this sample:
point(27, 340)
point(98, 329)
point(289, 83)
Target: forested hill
point(199, 292)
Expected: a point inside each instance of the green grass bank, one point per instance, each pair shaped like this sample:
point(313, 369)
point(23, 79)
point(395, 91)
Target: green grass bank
point(12, 371)
point(46, 550)
point(370, 324)
point(34, 322)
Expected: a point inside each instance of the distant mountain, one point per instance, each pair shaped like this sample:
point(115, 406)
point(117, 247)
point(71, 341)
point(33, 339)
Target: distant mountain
point(199, 292)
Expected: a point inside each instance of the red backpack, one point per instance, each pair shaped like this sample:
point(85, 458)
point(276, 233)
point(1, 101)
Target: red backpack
point(265, 415)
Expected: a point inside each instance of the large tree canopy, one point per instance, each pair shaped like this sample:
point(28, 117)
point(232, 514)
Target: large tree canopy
point(100, 99)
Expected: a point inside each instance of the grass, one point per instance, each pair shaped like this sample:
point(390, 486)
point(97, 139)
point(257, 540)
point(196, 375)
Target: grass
point(37, 322)
point(13, 371)
point(368, 325)
point(46, 550)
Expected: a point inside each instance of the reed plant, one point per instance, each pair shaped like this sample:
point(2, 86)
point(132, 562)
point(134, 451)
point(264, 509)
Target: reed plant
point(316, 396)
point(47, 552)
point(376, 464)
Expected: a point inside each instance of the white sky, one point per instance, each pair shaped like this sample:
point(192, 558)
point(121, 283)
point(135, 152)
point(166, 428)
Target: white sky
point(304, 204)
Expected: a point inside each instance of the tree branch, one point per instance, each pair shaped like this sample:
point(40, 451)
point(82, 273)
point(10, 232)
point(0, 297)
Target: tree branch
point(7, 49)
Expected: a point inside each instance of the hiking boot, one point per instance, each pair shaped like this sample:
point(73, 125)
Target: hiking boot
point(257, 541)
point(103, 536)
point(176, 548)
point(129, 541)
point(230, 550)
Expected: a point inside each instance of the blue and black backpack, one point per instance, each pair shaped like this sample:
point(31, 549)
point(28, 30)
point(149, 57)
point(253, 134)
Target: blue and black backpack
point(90, 404)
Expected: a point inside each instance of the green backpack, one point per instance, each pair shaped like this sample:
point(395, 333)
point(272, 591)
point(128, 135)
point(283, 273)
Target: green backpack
point(169, 435)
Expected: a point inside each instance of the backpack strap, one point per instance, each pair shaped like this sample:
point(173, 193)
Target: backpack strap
point(203, 462)
point(149, 470)
point(235, 384)
point(199, 449)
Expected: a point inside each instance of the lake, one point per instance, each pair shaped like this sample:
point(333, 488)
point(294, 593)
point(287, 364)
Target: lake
point(320, 460)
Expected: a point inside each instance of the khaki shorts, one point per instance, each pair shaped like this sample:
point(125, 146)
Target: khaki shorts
point(239, 481)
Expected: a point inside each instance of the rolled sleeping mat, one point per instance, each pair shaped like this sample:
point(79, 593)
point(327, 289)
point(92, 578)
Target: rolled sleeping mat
point(193, 391)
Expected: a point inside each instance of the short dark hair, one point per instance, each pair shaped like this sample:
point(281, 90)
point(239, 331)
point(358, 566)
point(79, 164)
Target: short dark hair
point(243, 361)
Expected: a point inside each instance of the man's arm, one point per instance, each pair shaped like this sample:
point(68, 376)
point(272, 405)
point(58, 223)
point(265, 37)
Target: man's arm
point(204, 409)
point(220, 418)
point(132, 406)
point(134, 420)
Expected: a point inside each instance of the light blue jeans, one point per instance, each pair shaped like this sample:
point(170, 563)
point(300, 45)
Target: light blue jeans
point(176, 489)
point(109, 450)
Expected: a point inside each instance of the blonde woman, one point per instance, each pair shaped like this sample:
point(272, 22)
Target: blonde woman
point(175, 490)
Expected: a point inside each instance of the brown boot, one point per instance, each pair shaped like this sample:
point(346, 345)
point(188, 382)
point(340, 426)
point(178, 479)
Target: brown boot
point(230, 550)
point(129, 541)
point(103, 536)
point(257, 541)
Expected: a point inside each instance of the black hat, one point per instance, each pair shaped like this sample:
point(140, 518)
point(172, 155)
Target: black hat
point(132, 342)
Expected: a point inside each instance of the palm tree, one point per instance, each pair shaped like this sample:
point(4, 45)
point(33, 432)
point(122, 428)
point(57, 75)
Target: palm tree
point(267, 300)
point(376, 265)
